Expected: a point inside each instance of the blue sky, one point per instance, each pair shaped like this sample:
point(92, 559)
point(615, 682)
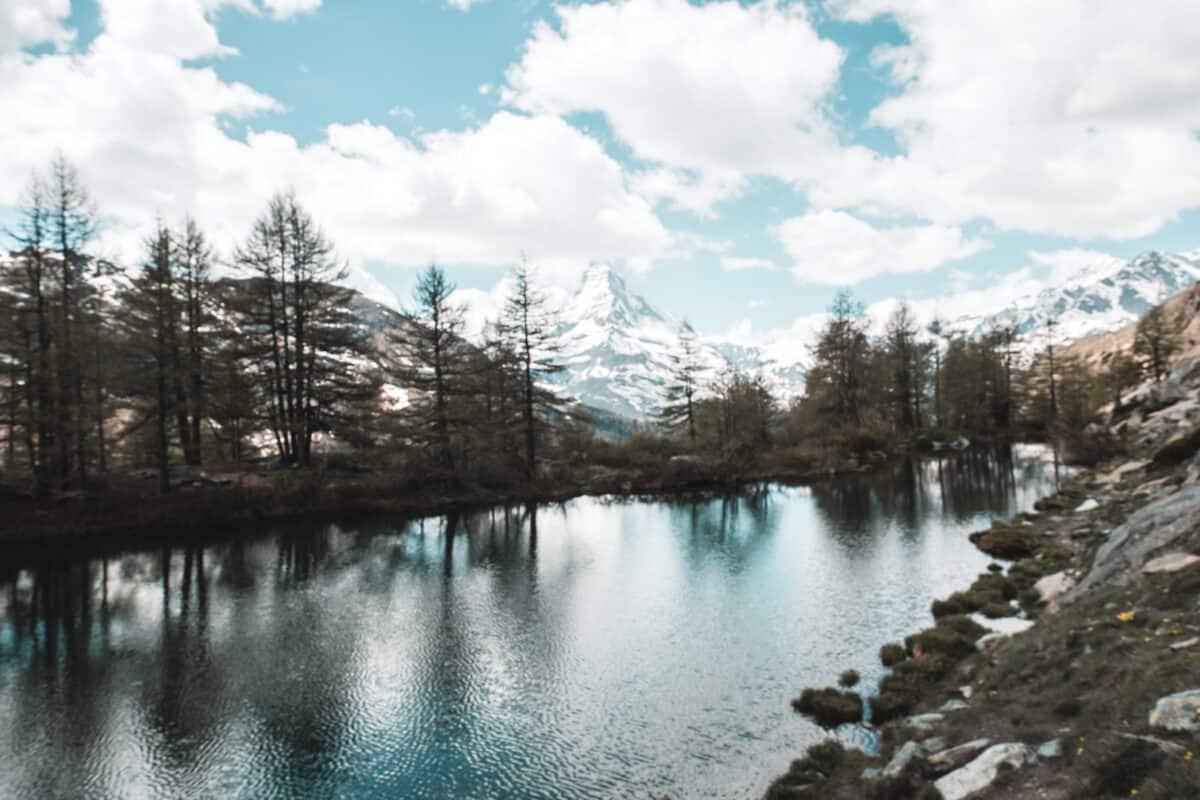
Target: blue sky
point(907, 150)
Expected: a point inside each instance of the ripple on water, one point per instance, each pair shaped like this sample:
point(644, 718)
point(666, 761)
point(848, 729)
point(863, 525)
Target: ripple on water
point(644, 648)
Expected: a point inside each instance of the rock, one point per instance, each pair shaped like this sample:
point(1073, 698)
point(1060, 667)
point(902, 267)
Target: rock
point(981, 772)
point(955, 757)
point(1186, 643)
point(1178, 450)
point(1114, 477)
point(1170, 748)
point(1087, 505)
point(1152, 527)
point(1171, 562)
point(966, 691)
point(953, 705)
point(923, 722)
point(987, 640)
point(1050, 749)
point(934, 744)
point(901, 760)
point(1051, 587)
point(1155, 487)
point(1177, 712)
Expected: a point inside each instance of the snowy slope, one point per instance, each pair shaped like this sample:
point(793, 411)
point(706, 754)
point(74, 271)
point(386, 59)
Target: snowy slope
point(1094, 300)
point(617, 349)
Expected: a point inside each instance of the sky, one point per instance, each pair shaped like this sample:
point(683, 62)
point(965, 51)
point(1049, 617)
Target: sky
point(738, 162)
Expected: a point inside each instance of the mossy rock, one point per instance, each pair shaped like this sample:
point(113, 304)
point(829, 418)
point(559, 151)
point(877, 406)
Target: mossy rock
point(887, 706)
point(1010, 543)
point(954, 636)
point(829, 707)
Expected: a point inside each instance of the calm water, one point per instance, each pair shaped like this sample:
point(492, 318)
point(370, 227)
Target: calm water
point(599, 648)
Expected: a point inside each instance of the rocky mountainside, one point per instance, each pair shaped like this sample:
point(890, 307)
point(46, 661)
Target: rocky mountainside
point(618, 350)
point(1095, 300)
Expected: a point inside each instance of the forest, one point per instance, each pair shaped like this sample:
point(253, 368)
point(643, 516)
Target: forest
point(259, 358)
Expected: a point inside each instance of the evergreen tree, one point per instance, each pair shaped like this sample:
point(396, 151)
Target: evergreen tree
point(679, 410)
point(528, 327)
point(1155, 343)
point(840, 361)
point(430, 360)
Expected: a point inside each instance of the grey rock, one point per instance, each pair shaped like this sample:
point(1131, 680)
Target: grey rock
point(1171, 562)
point(934, 744)
point(1050, 749)
point(1051, 587)
point(923, 722)
point(1151, 528)
point(953, 705)
point(981, 772)
point(1177, 712)
point(1186, 643)
point(956, 756)
point(901, 759)
point(1087, 505)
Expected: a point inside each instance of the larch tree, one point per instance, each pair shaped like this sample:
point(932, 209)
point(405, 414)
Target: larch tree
point(307, 347)
point(679, 409)
point(528, 326)
point(1155, 343)
point(430, 358)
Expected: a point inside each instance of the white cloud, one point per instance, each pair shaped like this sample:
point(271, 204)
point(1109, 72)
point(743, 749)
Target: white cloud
point(739, 263)
point(284, 9)
point(722, 91)
point(26, 22)
point(1074, 118)
point(833, 247)
point(153, 135)
point(462, 5)
point(1068, 263)
point(403, 112)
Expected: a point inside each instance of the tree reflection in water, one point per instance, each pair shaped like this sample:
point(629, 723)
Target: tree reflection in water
point(599, 646)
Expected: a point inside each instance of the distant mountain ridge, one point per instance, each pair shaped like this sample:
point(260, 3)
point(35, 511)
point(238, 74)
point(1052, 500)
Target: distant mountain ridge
point(1095, 300)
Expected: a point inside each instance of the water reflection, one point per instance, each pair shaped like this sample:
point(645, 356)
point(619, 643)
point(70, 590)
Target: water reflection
point(594, 648)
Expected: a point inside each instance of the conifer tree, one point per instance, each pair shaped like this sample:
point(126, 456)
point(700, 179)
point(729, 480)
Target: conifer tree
point(679, 410)
point(1155, 343)
point(528, 326)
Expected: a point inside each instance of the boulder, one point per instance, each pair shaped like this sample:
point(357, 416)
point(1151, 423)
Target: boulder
point(1051, 587)
point(981, 772)
point(1050, 749)
point(1087, 505)
point(956, 756)
point(901, 760)
point(1114, 477)
point(1171, 562)
point(1177, 712)
point(923, 722)
point(1151, 528)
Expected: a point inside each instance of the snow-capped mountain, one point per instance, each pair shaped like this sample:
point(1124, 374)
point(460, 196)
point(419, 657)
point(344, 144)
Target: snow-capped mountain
point(617, 349)
point(1095, 299)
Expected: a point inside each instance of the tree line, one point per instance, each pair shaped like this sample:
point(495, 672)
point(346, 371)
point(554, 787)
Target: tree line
point(165, 366)
point(911, 383)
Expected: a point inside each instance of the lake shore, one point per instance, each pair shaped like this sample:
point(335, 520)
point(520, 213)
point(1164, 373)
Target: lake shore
point(1070, 671)
point(132, 510)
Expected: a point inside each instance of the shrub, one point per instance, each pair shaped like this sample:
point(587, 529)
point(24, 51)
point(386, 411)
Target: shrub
point(848, 679)
point(892, 654)
point(829, 707)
